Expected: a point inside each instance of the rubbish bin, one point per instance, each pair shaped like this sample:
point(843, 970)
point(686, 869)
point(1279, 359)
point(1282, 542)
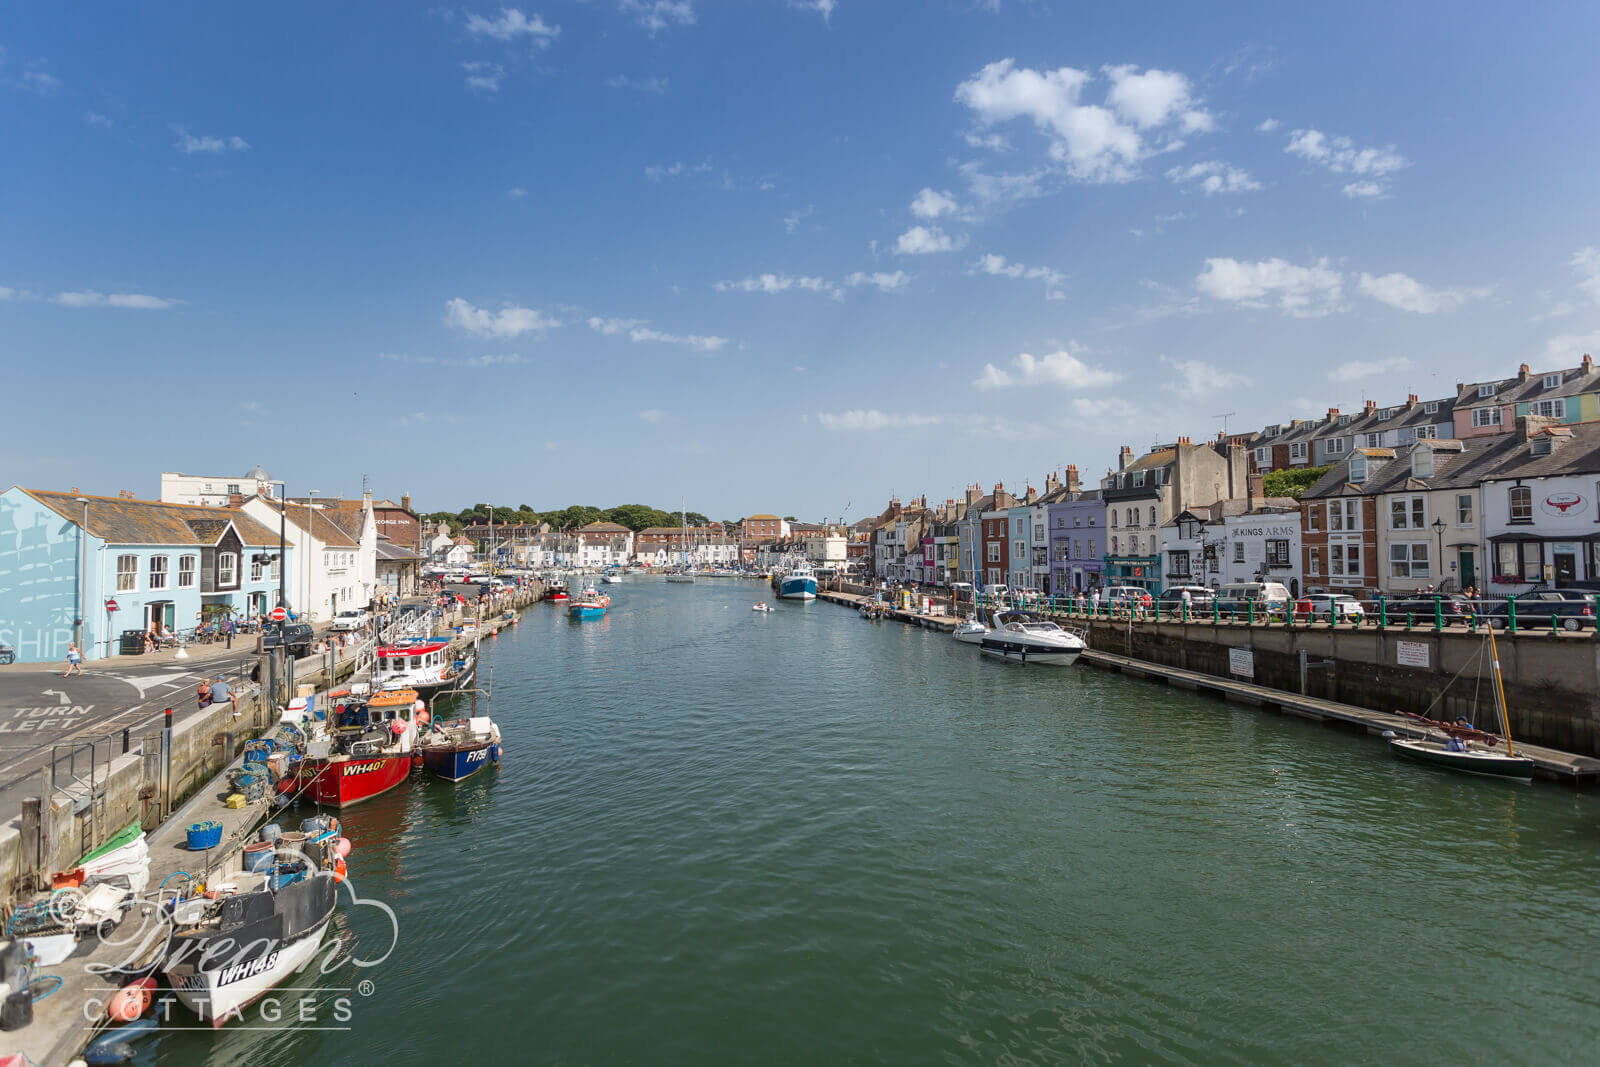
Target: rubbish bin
point(132, 643)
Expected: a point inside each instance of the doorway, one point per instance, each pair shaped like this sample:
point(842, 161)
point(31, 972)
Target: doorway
point(1566, 564)
point(1469, 568)
point(160, 613)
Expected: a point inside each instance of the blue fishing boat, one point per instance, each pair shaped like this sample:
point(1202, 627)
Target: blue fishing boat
point(798, 583)
point(459, 748)
point(590, 604)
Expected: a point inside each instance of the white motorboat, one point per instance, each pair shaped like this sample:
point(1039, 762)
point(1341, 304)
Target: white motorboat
point(1028, 639)
point(970, 631)
point(611, 578)
point(763, 606)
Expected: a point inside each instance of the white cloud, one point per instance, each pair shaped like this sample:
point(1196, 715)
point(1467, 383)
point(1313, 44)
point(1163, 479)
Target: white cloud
point(509, 321)
point(1341, 156)
point(484, 76)
point(1357, 369)
point(1004, 188)
point(777, 283)
point(792, 221)
point(657, 171)
point(881, 280)
point(1058, 368)
point(656, 15)
point(994, 142)
point(821, 7)
point(7, 294)
point(1197, 378)
point(637, 331)
point(1214, 177)
point(1108, 409)
point(873, 419)
point(644, 85)
point(516, 192)
point(94, 118)
point(1154, 98)
point(999, 266)
point(1586, 261)
point(1093, 142)
point(1569, 346)
point(492, 360)
point(40, 82)
point(88, 298)
point(513, 24)
point(1268, 125)
point(652, 415)
point(1406, 293)
point(922, 240)
point(929, 204)
point(189, 144)
point(1304, 292)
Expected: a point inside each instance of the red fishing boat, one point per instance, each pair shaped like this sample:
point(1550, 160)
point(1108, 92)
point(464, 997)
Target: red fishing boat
point(367, 750)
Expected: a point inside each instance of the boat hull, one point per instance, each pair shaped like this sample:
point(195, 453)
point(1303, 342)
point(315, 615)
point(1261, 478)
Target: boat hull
point(1025, 652)
point(344, 781)
point(585, 611)
point(456, 763)
point(798, 588)
point(1488, 764)
point(971, 637)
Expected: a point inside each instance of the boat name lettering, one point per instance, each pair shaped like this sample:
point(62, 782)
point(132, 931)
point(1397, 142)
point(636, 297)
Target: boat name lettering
point(240, 971)
point(362, 768)
point(474, 757)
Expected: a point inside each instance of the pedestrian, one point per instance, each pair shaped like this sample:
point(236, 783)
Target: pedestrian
point(74, 662)
point(227, 630)
point(202, 694)
point(221, 690)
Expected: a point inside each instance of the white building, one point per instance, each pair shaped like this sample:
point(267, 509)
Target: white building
point(215, 491)
point(825, 549)
point(1262, 545)
point(335, 557)
point(1541, 507)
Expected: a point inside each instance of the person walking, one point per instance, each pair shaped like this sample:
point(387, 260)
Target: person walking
point(227, 630)
point(74, 662)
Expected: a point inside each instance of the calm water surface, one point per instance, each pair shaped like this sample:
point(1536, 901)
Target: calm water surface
point(724, 837)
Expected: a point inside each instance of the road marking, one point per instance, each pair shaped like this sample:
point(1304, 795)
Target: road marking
point(64, 699)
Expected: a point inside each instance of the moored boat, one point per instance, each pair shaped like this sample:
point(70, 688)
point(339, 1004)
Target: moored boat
point(1029, 639)
point(429, 667)
point(798, 583)
point(970, 631)
point(363, 750)
point(1466, 756)
point(457, 749)
point(590, 604)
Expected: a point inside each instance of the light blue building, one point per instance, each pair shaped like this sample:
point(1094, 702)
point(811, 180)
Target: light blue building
point(1021, 560)
point(66, 555)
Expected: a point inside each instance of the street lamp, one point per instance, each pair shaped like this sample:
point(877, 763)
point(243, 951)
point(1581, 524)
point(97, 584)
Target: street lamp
point(83, 576)
point(311, 534)
point(1438, 528)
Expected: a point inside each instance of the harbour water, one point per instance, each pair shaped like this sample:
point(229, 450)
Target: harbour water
point(720, 836)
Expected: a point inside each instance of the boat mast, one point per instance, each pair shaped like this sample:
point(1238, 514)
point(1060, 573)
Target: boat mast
point(1500, 694)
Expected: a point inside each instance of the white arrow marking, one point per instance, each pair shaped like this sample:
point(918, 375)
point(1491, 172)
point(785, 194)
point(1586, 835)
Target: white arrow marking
point(147, 682)
point(63, 698)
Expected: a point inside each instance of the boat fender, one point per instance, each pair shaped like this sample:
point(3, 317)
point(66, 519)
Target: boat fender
point(344, 846)
point(131, 1001)
point(117, 1046)
point(397, 727)
point(339, 870)
point(423, 718)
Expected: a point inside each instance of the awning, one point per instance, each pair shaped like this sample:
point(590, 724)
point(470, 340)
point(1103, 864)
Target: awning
point(1589, 537)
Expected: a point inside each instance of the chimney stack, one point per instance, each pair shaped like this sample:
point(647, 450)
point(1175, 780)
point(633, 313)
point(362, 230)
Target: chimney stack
point(366, 499)
point(1372, 405)
point(1523, 372)
point(1072, 478)
point(1124, 458)
point(405, 501)
point(1588, 364)
point(1255, 490)
point(235, 500)
point(1333, 415)
point(1411, 401)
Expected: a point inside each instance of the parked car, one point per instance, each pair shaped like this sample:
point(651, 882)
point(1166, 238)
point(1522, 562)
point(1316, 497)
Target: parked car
point(1124, 596)
point(1571, 609)
point(1453, 607)
point(1335, 607)
point(1270, 598)
point(7, 654)
point(351, 620)
point(297, 638)
point(1200, 598)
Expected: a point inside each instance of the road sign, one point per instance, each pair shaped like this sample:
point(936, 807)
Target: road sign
point(111, 604)
point(278, 614)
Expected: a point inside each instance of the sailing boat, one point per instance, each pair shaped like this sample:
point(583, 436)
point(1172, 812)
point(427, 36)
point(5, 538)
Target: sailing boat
point(684, 574)
point(1464, 748)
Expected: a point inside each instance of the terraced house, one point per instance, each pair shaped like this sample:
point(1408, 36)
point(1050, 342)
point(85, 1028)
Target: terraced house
point(1143, 494)
point(84, 569)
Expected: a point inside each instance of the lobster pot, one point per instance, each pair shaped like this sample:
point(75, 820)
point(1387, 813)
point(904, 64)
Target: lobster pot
point(271, 832)
point(204, 835)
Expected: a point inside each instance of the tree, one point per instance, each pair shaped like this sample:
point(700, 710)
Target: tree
point(790, 518)
point(694, 518)
point(1293, 482)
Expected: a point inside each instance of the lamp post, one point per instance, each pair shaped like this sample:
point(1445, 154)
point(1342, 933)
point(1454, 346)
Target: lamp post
point(1438, 528)
point(311, 534)
point(83, 575)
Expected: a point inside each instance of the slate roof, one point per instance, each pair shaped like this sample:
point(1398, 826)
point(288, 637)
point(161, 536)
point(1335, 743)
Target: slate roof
point(389, 552)
point(1576, 451)
point(121, 521)
point(325, 530)
point(1574, 380)
point(604, 527)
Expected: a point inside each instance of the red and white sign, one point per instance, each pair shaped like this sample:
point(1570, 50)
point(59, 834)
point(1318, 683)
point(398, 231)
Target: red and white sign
point(111, 604)
point(278, 614)
point(1562, 503)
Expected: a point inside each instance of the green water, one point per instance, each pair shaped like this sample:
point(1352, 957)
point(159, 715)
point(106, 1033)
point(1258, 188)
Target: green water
point(723, 837)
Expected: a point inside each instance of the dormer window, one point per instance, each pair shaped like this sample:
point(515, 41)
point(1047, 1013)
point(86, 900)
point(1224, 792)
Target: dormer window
point(1422, 463)
point(1539, 446)
point(1358, 468)
point(1273, 431)
point(1138, 478)
point(1486, 390)
point(1344, 420)
point(1384, 413)
point(1551, 381)
point(1431, 408)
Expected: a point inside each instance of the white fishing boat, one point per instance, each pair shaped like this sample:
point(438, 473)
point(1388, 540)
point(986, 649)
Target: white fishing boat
point(970, 631)
point(1028, 639)
point(798, 583)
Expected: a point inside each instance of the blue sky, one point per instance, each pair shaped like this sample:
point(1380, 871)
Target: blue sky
point(760, 256)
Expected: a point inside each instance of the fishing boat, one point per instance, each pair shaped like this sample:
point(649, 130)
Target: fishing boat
point(429, 667)
point(236, 949)
point(557, 592)
point(798, 583)
point(970, 631)
point(1027, 638)
point(362, 750)
point(457, 749)
point(1459, 746)
point(590, 604)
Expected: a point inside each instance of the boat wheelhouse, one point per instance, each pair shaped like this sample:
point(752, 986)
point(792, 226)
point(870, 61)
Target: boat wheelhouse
point(429, 667)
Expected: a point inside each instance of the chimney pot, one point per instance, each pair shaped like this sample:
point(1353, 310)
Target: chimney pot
point(1522, 373)
point(1372, 405)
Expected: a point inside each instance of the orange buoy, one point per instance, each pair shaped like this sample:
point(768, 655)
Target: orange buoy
point(131, 1001)
point(339, 869)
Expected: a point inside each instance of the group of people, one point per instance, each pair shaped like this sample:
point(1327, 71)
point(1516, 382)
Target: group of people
point(215, 692)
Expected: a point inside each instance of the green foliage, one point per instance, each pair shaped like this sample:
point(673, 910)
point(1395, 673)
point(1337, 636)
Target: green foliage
point(1293, 482)
point(634, 516)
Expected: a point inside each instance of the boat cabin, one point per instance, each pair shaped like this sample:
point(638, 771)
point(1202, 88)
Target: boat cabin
point(404, 659)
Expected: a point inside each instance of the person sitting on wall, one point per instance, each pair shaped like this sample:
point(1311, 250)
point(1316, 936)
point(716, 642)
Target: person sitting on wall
point(221, 690)
point(202, 694)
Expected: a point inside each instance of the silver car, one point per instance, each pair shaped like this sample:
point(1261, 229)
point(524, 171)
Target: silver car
point(1337, 607)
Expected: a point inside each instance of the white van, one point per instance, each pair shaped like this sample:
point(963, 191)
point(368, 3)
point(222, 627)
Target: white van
point(1268, 597)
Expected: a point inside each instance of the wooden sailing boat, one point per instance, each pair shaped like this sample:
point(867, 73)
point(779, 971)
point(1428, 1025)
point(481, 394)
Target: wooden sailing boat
point(1463, 748)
